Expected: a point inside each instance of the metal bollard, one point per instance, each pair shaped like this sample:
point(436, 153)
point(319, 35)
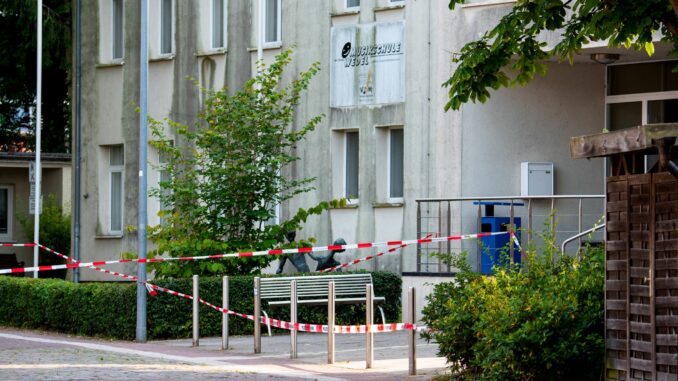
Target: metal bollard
point(369, 336)
point(257, 317)
point(293, 318)
point(224, 316)
point(330, 322)
point(196, 316)
point(412, 336)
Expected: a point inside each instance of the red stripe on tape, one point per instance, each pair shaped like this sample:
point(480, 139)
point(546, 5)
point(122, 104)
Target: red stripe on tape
point(483, 235)
point(275, 252)
point(364, 245)
point(19, 270)
point(305, 249)
point(335, 247)
point(394, 243)
point(245, 254)
point(454, 238)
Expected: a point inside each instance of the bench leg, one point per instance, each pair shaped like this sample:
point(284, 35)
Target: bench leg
point(383, 316)
point(268, 322)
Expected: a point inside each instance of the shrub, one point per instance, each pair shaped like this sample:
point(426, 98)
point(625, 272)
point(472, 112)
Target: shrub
point(109, 309)
point(541, 322)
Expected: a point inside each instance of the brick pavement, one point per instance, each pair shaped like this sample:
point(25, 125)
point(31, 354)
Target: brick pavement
point(31, 355)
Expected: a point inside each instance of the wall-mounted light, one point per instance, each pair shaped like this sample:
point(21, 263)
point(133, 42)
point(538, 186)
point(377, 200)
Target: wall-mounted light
point(605, 58)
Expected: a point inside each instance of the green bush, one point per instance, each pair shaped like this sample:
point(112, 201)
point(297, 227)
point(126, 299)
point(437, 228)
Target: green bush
point(543, 321)
point(109, 309)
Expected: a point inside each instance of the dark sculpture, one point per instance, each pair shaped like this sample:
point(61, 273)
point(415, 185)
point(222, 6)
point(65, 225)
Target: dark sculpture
point(298, 259)
point(328, 261)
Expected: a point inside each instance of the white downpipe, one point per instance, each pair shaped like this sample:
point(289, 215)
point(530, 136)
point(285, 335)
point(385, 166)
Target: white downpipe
point(260, 35)
point(38, 127)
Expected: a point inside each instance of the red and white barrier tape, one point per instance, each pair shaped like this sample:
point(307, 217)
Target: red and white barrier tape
point(368, 258)
point(252, 253)
point(17, 244)
point(515, 240)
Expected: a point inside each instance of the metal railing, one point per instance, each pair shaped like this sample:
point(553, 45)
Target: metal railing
point(565, 215)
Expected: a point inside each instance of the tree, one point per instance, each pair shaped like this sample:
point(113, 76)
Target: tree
point(513, 43)
point(224, 183)
point(18, 19)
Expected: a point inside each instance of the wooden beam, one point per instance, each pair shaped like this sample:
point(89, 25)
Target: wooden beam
point(632, 139)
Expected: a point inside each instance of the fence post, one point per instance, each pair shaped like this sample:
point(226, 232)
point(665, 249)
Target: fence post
point(293, 318)
point(369, 336)
point(412, 337)
point(257, 316)
point(330, 322)
point(224, 316)
point(196, 316)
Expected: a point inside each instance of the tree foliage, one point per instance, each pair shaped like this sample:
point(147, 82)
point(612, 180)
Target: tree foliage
point(221, 191)
point(18, 45)
point(512, 53)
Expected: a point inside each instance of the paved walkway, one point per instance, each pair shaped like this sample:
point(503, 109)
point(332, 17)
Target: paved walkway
point(32, 355)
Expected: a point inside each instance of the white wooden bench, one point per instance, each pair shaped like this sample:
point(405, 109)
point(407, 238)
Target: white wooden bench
point(313, 290)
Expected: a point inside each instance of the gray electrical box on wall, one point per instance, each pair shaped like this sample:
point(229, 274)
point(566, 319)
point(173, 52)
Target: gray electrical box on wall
point(536, 179)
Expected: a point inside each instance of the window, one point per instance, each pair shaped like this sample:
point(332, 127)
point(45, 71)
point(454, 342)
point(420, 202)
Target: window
point(272, 17)
point(351, 166)
point(166, 26)
point(117, 30)
point(395, 158)
point(6, 213)
point(218, 23)
point(353, 4)
point(116, 166)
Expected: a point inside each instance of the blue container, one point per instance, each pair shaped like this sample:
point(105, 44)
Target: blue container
point(491, 247)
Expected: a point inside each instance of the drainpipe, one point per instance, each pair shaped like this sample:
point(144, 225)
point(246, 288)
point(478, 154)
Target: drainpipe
point(77, 143)
point(664, 146)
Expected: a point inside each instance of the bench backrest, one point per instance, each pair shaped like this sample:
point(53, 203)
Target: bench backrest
point(309, 287)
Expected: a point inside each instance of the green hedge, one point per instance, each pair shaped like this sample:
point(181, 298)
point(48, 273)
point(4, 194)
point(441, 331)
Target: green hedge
point(109, 309)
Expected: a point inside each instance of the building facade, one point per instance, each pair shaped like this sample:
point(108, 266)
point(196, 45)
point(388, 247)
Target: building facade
point(386, 140)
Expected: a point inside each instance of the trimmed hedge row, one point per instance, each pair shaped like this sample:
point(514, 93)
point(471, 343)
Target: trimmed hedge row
point(109, 309)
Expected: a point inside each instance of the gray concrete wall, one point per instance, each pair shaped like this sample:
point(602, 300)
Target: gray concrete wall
point(110, 93)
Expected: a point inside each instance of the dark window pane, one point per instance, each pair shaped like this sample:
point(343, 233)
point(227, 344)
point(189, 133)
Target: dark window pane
point(352, 3)
point(166, 27)
point(352, 159)
point(217, 23)
point(624, 115)
point(642, 78)
point(271, 23)
point(664, 111)
point(396, 164)
point(4, 211)
point(117, 29)
point(116, 201)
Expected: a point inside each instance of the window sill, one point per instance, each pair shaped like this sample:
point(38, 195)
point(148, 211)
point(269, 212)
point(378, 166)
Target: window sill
point(267, 46)
point(348, 12)
point(394, 204)
point(111, 236)
point(353, 205)
point(487, 3)
point(110, 64)
point(389, 7)
point(212, 52)
point(162, 58)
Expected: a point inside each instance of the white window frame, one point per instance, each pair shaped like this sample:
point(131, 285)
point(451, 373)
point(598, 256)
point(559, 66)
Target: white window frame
point(350, 8)
point(388, 166)
point(111, 170)
point(345, 167)
point(172, 30)
point(224, 21)
point(278, 41)
point(122, 32)
point(10, 213)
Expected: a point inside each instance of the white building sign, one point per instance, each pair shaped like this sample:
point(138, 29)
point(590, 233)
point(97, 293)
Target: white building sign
point(368, 64)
